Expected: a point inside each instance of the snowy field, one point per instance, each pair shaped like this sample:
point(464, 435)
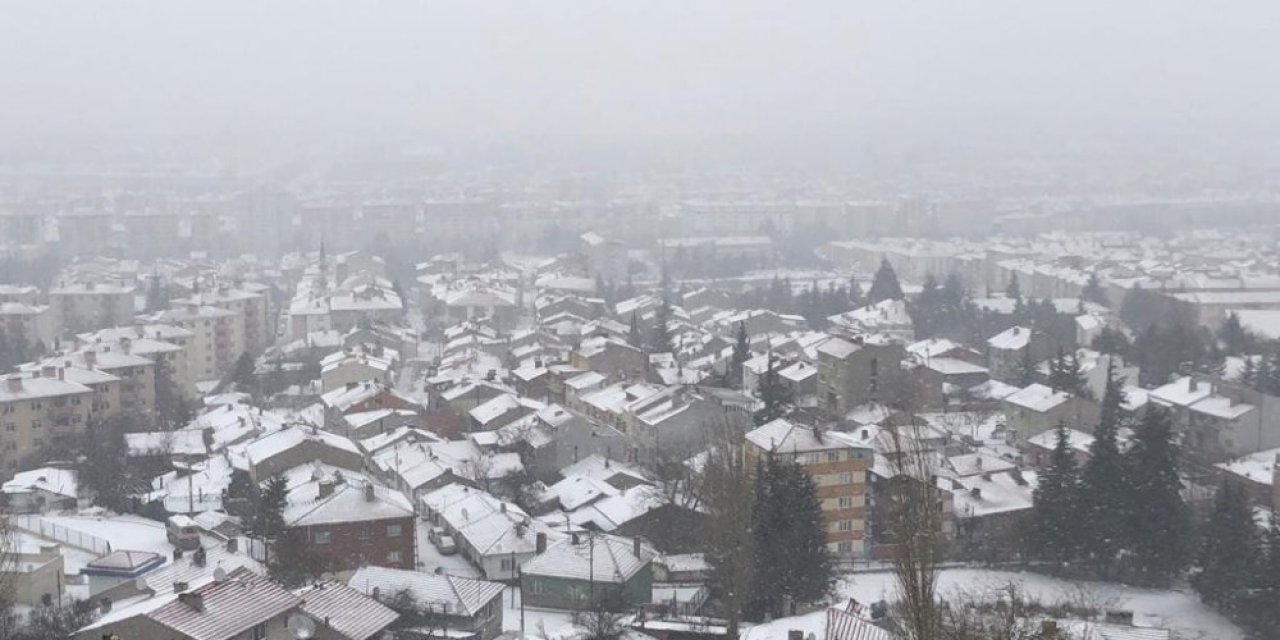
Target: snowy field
point(1177, 610)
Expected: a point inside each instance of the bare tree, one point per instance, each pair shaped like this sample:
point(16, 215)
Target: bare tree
point(728, 496)
point(679, 480)
point(8, 558)
point(603, 620)
point(1005, 613)
point(914, 510)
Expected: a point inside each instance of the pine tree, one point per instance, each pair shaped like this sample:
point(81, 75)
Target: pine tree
point(1233, 336)
point(884, 286)
point(775, 394)
point(1159, 525)
point(1013, 289)
point(1056, 366)
point(241, 498)
point(1026, 368)
point(1264, 605)
point(741, 353)
point(855, 294)
point(1056, 518)
point(660, 339)
point(927, 309)
point(242, 374)
point(1103, 505)
point(104, 467)
point(1093, 291)
point(1229, 551)
point(790, 545)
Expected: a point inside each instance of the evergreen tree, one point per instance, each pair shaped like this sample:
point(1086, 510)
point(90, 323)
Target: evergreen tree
point(241, 498)
point(242, 374)
point(1263, 607)
point(927, 309)
point(1057, 526)
point(1013, 289)
point(741, 353)
point(1159, 526)
point(884, 286)
point(1233, 336)
point(1093, 291)
point(172, 410)
point(103, 468)
point(1103, 505)
point(1026, 368)
point(790, 543)
point(775, 393)
point(660, 339)
point(1229, 551)
point(855, 294)
point(1111, 341)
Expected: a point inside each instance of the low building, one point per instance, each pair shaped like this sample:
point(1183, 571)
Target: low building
point(343, 613)
point(38, 575)
point(616, 571)
point(119, 566)
point(467, 609)
point(40, 490)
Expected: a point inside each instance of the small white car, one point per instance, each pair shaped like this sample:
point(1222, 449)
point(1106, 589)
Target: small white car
point(446, 545)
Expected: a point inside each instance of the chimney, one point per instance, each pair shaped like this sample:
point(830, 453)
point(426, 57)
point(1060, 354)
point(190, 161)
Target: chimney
point(326, 489)
point(233, 545)
point(540, 543)
point(502, 506)
point(635, 547)
point(62, 373)
point(1192, 385)
point(90, 359)
point(198, 557)
point(180, 586)
point(351, 385)
point(14, 382)
point(49, 371)
point(193, 600)
point(574, 538)
point(177, 554)
point(104, 605)
point(369, 495)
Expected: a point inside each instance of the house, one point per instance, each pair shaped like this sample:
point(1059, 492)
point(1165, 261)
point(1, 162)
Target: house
point(612, 357)
point(493, 534)
point(356, 397)
point(39, 490)
point(616, 571)
point(468, 609)
point(1221, 420)
point(343, 367)
point(346, 525)
point(38, 576)
point(852, 373)
point(838, 464)
point(1037, 408)
point(343, 613)
point(1010, 350)
point(1040, 446)
point(887, 317)
point(234, 606)
point(291, 447)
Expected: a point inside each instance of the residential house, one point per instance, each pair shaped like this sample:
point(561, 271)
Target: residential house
point(468, 609)
point(616, 571)
point(346, 525)
point(853, 373)
point(495, 535)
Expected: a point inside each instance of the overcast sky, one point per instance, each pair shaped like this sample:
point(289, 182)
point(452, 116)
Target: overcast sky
point(741, 67)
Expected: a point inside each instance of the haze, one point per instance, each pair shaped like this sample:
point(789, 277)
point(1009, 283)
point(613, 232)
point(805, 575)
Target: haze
point(632, 71)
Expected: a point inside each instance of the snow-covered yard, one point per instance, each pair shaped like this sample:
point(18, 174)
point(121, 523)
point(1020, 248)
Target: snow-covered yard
point(551, 624)
point(429, 558)
point(1176, 610)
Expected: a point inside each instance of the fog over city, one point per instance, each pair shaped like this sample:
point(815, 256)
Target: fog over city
point(705, 320)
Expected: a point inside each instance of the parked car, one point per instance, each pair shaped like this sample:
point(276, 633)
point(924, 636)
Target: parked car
point(446, 546)
point(434, 534)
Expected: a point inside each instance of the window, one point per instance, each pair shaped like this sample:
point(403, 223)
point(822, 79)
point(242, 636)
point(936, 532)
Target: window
point(833, 456)
point(845, 547)
point(8, 408)
point(9, 426)
point(537, 586)
point(35, 424)
point(846, 502)
point(259, 631)
point(320, 536)
point(846, 525)
point(393, 530)
point(846, 478)
point(393, 557)
point(37, 442)
point(507, 564)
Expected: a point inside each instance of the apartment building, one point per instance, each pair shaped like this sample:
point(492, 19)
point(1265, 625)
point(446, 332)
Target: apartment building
point(156, 342)
point(856, 372)
point(249, 306)
point(216, 342)
point(80, 307)
point(39, 411)
point(837, 464)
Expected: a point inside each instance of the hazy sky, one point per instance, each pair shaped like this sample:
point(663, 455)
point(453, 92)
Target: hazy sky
point(644, 68)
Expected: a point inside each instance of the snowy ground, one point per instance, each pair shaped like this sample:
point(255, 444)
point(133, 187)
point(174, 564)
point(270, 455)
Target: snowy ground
point(1176, 610)
point(429, 557)
point(123, 532)
point(552, 624)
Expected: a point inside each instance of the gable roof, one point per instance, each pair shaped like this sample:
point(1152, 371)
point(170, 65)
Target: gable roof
point(604, 558)
point(346, 611)
point(461, 595)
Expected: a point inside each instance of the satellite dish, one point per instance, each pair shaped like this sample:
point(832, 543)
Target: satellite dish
point(301, 626)
point(219, 574)
point(140, 583)
point(811, 636)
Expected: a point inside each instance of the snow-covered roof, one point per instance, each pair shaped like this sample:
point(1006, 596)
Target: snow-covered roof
point(600, 557)
point(458, 596)
point(348, 503)
point(1011, 339)
point(784, 436)
point(48, 479)
point(1037, 397)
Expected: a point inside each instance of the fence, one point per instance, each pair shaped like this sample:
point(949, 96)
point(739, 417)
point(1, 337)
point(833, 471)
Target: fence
point(54, 531)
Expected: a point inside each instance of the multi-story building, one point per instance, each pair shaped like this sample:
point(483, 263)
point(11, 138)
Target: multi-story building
point(838, 465)
point(157, 342)
point(250, 308)
point(39, 411)
point(80, 307)
point(347, 526)
point(30, 323)
point(853, 373)
point(216, 342)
